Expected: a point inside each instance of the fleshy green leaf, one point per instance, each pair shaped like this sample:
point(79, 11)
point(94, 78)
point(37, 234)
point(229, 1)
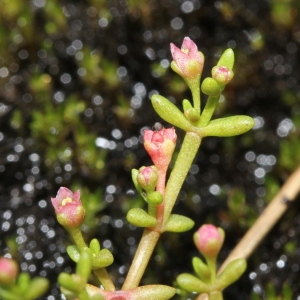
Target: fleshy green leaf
point(103, 259)
point(7, 295)
point(201, 269)
point(73, 252)
point(23, 282)
point(138, 217)
point(227, 59)
point(178, 223)
point(37, 287)
point(232, 272)
point(95, 246)
point(229, 126)
point(73, 283)
point(170, 113)
point(155, 291)
point(134, 174)
point(192, 283)
point(186, 104)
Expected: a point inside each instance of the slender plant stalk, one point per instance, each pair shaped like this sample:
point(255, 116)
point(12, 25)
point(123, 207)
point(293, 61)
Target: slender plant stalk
point(149, 239)
point(77, 237)
point(194, 86)
point(208, 110)
point(212, 264)
point(105, 279)
point(141, 259)
point(188, 151)
point(101, 274)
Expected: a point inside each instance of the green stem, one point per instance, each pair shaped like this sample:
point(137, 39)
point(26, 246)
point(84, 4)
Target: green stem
point(105, 280)
point(141, 259)
point(188, 151)
point(208, 110)
point(194, 86)
point(152, 210)
point(77, 237)
point(149, 239)
point(101, 274)
point(211, 262)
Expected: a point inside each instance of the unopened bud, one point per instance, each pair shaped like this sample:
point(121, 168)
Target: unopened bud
point(221, 75)
point(209, 240)
point(147, 178)
point(8, 270)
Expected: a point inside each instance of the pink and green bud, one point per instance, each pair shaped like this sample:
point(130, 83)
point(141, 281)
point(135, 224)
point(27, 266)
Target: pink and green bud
point(160, 146)
point(8, 271)
point(68, 208)
point(222, 75)
point(187, 61)
point(209, 240)
point(147, 178)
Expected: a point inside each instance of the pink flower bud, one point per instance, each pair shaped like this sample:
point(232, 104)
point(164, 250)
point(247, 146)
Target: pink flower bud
point(222, 75)
point(68, 208)
point(8, 270)
point(147, 178)
point(209, 240)
point(160, 146)
point(188, 60)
